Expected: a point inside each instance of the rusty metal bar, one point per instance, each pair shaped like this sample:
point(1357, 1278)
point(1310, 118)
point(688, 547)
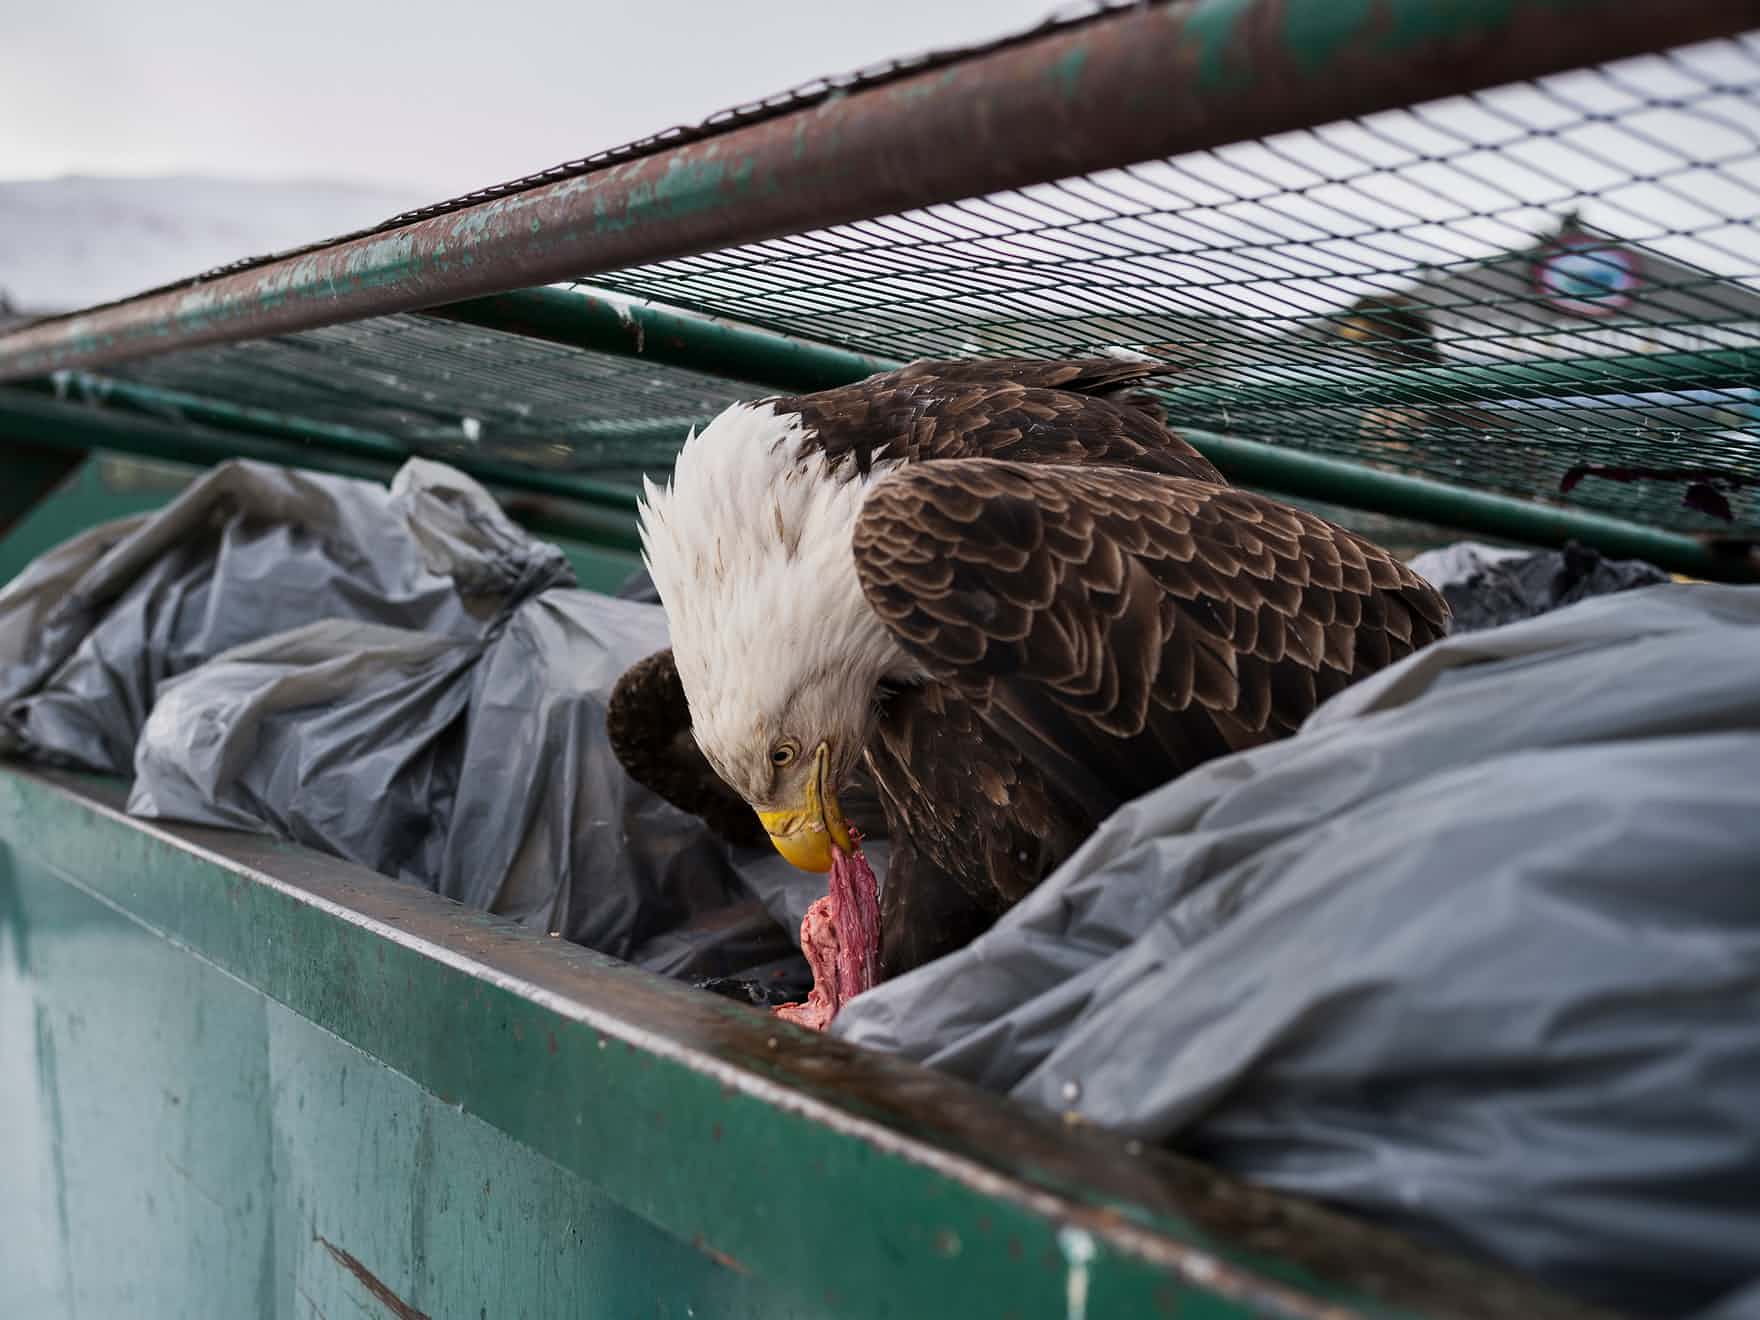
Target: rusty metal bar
point(1143, 83)
point(631, 441)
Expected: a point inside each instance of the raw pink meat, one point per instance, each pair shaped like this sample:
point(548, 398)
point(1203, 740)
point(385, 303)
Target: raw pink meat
point(840, 936)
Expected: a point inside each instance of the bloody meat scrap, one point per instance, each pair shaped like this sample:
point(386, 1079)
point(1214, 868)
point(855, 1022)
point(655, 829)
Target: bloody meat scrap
point(840, 936)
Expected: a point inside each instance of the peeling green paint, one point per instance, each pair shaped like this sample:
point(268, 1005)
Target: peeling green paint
point(472, 224)
point(1068, 71)
point(689, 186)
point(1317, 37)
point(381, 264)
point(923, 87)
point(1443, 19)
point(686, 184)
point(1210, 27)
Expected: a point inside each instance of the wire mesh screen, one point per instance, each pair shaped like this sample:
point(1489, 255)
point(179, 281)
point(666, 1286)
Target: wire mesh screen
point(457, 393)
point(444, 390)
point(1551, 290)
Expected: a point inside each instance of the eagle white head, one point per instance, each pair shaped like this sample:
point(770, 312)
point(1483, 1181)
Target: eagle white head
point(778, 650)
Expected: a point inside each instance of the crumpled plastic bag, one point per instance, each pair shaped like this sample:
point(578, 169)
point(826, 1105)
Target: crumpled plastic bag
point(1476, 952)
point(1486, 586)
point(1450, 564)
point(89, 631)
point(400, 677)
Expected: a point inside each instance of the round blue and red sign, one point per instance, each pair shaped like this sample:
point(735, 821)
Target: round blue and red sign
point(1584, 276)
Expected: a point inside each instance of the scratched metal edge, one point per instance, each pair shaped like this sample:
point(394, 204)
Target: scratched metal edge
point(1126, 87)
point(1163, 1225)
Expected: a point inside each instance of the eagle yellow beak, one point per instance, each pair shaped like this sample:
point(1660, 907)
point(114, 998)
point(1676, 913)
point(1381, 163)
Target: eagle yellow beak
point(806, 834)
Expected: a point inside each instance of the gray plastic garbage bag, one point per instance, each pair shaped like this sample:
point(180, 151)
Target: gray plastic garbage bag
point(90, 630)
point(1476, 952)
point(479, 768)
point(397, 677)
point(477, 765)
point(1741, 1304)
point(476, 768)
point(547, 827)
point(1486, 587)
point(332, 735)
point(1448, 565)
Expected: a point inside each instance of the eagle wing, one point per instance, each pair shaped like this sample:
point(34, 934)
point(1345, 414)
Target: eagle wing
point(1081, 412)
point(1118, 626)
point(648, 721)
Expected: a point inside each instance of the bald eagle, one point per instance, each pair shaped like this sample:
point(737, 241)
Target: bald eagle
point(1002, 597)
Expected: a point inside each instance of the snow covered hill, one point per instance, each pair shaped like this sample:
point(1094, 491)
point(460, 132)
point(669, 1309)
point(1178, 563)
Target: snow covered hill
point(70, 242)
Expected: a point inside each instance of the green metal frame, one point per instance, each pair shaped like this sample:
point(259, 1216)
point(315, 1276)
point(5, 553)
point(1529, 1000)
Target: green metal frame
point(673, 337)
point(589, 510)
point(214, 1154)
point(1332, 480)
point(715, 1154)
point(587, 321)
point(828, 1179)
point(1126, 86)
point(605, 323)
point(1366, 382)
point(122, 415)
point(604, 512)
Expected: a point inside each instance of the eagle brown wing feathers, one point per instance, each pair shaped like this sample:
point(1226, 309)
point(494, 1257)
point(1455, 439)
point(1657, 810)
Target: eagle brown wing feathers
point(1120, 627)
point(1087, 412)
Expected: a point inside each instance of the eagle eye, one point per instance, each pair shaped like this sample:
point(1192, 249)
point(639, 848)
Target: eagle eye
point(783, 754)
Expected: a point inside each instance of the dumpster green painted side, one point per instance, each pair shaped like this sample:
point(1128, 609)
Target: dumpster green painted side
point(100, 487)
point(240, 1079)
point(186, 1146)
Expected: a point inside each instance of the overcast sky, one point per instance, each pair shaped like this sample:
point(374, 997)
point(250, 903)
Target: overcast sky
point(440, 97)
